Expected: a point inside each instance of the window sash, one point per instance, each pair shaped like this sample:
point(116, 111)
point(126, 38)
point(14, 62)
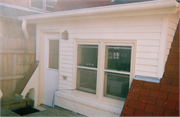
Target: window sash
point(81, 65)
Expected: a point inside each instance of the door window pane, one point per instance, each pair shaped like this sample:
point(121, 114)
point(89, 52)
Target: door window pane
point(53, 54)
point(37, 3)
point(118, 58)
point(116, 85)
point(87, 55)
point(86, 80)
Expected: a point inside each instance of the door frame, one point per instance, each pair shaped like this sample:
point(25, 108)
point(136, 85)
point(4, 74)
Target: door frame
point(40, 53)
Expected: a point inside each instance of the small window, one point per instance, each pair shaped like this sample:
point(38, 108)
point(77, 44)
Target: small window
point(53, 54)
point(37, 4)
point(87, 68)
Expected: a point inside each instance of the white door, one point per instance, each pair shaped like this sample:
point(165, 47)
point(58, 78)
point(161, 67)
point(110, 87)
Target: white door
point(51, 64)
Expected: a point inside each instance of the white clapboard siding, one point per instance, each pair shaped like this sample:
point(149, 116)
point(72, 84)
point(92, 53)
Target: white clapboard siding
point(67, 41)
point(148, 49)
point(66, 82)
point(63, 86)
point(68, 78)
point(66, 61)
point(135, 29)
point(169, 38)
point(147, 55)
point(67, 44)
point(66, 70)
point(172, 25)
point(117, 36)
point(167, 51)
point(69, 49)
point(66, 74)
point(173, 18)
point(66, 57)
point(111, 22)
point(146, 62)
point(168, 45)
point(171, 31)
point(150, 74)
point(146, 68)
point(67, 53)
point(148, 43)
point(147, 30)
point(66, 65)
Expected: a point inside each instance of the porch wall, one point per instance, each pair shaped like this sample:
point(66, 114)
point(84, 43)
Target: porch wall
point(145, 29)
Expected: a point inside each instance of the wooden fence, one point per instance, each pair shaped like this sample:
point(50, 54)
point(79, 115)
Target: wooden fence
point(16, 56)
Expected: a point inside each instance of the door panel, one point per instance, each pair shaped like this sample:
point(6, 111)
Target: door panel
point(51, 65)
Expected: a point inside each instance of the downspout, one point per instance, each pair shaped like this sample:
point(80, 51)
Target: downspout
point(26, 35)
point(24, 29)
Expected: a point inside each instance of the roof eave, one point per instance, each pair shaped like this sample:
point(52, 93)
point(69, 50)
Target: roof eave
point(140, 6)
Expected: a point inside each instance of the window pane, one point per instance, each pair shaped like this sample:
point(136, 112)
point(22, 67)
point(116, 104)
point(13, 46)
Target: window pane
point(118, 58)
point(86, 80)
point(53, 54)
point(37, 3)
point(116, 85)
point(51, 2)
point(88, 55)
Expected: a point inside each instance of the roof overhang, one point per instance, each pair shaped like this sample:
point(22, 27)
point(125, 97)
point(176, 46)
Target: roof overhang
point(130, 9)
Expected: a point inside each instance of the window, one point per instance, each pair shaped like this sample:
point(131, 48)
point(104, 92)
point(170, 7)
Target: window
point(43, 5)
point(53, 54)
point(110, 78)
point(117, 70)
point(87, 68)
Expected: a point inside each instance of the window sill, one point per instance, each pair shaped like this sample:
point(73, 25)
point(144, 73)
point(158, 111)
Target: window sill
point(102, 104)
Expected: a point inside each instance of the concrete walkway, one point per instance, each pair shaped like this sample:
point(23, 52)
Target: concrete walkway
point(45, 111)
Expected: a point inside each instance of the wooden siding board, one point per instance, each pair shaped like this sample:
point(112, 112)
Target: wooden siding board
point(147, 49)
point(143, 73)
point(172, 25)
point(147, 55)
point(118, 36)
point(146, 68)
point(68, 78)
point(146, 62)
point(148, 42)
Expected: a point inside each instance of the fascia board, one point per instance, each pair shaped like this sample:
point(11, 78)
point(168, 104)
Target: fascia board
point(141, 6)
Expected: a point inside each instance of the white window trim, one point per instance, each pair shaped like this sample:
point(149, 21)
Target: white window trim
point(100, 70)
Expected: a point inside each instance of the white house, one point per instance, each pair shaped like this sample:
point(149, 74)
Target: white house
point(88, 57)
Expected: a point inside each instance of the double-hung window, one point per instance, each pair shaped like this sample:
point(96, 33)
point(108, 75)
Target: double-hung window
point(109, 78)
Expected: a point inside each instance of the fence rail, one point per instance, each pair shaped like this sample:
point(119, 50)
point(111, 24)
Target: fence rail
point(16, 56)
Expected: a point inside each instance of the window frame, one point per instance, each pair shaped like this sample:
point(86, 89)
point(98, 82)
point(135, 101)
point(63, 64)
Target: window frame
point(101, 62)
